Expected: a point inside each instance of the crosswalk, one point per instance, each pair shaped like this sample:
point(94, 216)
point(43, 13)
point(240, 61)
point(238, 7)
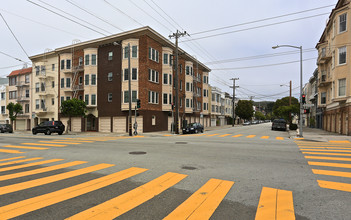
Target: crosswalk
point(217, 135)
point(329, 159)
point(201, 204)
point(55, 143)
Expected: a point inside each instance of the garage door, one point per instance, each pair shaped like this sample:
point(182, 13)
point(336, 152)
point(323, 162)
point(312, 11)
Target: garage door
point(119, 124)
point(77, 124)
point(105, 124)
point(21, 124)
point(140, 123)
point(170, 120)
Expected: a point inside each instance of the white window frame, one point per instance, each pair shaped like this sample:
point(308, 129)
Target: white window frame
point(339, 29)
point(341, 50)
point(342, 82)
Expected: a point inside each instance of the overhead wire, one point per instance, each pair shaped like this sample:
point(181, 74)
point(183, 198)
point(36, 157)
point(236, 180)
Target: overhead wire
point(122, 12)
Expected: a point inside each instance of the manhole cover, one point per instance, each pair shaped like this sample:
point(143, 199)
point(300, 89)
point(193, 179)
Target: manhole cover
point(188, 168)
point(137, 152)
point(181, 142)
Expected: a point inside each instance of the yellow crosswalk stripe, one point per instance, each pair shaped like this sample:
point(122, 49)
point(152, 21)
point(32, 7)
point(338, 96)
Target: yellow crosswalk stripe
point(332, 173)
point(224, 135)
point(41, 170)
point(325, 148)
point(45, 180)
point(275, 204)
point(251, 136)
point(12, 158)
point(127, 201)
point(211, 135)
point(341, 165)
point(328, 158)
point(344, 142)
point(335, 185)
point(26, 147)
point(264, 137)
point(334, 154)
point(20, 161)
point(28, 165)
point(50, 145)
point(238, 135)
point(203, 203)
point(35, 203)
point(279, 138)
point(11, 151)
point(59, 142)
point(346, 151)
point(64, 140)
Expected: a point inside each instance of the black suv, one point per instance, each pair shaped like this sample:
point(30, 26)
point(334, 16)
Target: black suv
point(193, 128)
point(48, 127)
point(279, 124)
point(6, 128)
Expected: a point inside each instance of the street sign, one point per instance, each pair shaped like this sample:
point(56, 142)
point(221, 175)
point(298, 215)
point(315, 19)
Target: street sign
point(308, 105)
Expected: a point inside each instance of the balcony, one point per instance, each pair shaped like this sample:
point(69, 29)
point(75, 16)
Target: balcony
point(324, 56)
point(323, 81)
point(23, 99)
point(75, 69)
point(44, 75)
point(77, 87)
point(22, 84)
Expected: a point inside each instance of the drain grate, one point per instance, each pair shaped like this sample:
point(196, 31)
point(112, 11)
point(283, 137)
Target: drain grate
point(181, 142)
point(137, 152)
point(188, 168)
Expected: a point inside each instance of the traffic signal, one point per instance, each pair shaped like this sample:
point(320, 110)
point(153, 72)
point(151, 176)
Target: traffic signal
point(172, 106)
point(306, 111)
point(303, 99)
point(138, 103)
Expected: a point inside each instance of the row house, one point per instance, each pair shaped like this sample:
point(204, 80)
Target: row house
point(96, 72)
point(334, 69)
point(4, 119)
point(18, 91)
point(221, 107)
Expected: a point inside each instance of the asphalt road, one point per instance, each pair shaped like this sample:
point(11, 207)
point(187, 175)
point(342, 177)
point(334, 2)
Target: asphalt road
point(242, 161)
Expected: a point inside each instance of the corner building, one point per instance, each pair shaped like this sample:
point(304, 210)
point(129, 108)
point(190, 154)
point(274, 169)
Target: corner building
point(96, 71)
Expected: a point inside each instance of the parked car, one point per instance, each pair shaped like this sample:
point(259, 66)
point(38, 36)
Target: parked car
point(247, 123)
point(6, 128)
point(48, 127)
point(279, 124)
point(193, 128)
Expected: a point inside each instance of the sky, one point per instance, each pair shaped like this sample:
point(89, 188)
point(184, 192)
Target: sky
point(233, 38)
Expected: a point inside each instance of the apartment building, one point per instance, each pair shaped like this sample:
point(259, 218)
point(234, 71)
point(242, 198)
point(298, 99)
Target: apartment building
point(96, 71)
point(3, 103)
point(18, 91)
point(334, 93)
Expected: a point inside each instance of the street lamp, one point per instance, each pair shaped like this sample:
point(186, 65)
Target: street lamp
point(301, 106)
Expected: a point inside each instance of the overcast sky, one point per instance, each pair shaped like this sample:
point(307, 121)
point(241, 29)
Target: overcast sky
point(38, 29)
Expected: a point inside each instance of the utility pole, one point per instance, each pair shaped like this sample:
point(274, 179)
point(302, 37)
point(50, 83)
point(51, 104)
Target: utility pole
point(129, 94)
point(176, 80)
point(233, 112)
point(290, 95)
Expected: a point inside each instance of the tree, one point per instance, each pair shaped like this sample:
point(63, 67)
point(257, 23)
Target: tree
point(259, 115)
point(244, 109)
point(73, 108)
point(14, 109)
point(282, 109)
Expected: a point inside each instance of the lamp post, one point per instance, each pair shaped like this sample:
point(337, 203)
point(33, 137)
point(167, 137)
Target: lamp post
point(301, 106)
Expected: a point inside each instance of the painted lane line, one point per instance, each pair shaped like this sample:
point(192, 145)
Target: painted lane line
point(58, 142)
point(25, 147)
point(129, 200)
point(20, 161)
point(332, 173)
point(11, 151)
point(328, 158)
point(35, 203)
point(50, 179)
point(346, 151)
point(211, 135)
point(251, 136)
point(203, 203)
point(275, 204)
point(12, 158)
point(279, 138)
point(334, 185)
point(224, 135)
point(50, 145)
point(238, 135)
point(40, 170)
point(341, 165)
point(264, 137)
point(333, 154)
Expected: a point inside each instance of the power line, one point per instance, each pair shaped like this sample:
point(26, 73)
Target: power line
point(261, 26)
point(159, 14)
point(166, 14)
point(267, 65)
point(264, 19)
point(13, 57)
point(14, 35)
point(117, 9)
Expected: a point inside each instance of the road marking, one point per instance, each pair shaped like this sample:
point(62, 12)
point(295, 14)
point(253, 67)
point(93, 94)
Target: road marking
point(167, 135)
point(41, 170)
point(35, 203)
point(224, 135)
point(332, 173)
point(20, 161)
point(50, 145)
point(328, 158)
point(275, 204)
point(45, 180)
point(27, 165)
point(63, 140)
point(334, 185)
point(127, 201)
point(251, 136)
point(279, 138)
point(211, 135)
point(264, 137)
point(12, 158)
point(341, 165)
point(346, 151)
point(238, 135)
point(299, 138)
point(59, 142)
point(11, 151)
point(203, 203)
point(25, 147)
point(326, 148)
point(346, 142)
point(320, 144)
point(334, 154)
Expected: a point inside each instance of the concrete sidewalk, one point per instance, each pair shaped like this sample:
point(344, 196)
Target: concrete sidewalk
point(315, 134)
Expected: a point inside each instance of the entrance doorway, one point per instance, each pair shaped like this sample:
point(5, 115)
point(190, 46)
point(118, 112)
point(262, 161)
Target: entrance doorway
point(91, 123)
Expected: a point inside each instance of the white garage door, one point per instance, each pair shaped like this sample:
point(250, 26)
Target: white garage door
point(21, 124)
point(77, 124)
point(105, 124)
point(119, 124)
